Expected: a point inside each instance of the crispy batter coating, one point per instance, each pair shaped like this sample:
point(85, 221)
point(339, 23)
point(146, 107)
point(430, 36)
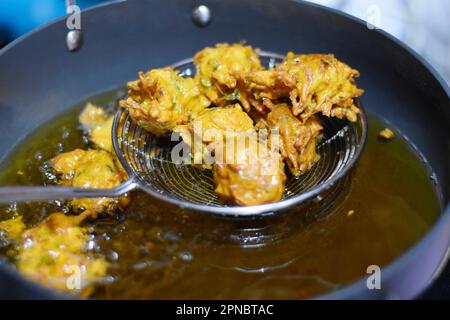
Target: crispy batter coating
point(211, 126)
point(98, 124)
point(298, 140)
point(255, 175)
point(12, 228)
point(48, 252)
point(91, 169)
point(92, 116)
point(245, 171)
point(314, 83)
point(161, 99)
point(220, 70)
point(101, 135)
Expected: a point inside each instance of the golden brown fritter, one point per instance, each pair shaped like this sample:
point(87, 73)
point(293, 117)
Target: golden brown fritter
point(298, 140)
point(98, 124)
point(101, 135)
point(12, 228)
point(91, 169)
point(254, 175)
point(307, 146)
point(161, 99)
point(213, 126)
point(48, 252)
point(246, 172)
point(221, 69)
point(92, 116)
point(314, 83)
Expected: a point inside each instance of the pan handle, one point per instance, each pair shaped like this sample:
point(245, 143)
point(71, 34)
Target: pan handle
point(43, 193)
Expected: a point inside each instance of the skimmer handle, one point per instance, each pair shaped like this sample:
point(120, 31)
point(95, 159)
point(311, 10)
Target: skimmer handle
point(43, 193)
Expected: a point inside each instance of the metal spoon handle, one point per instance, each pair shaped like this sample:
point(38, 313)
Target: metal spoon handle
point(11, 194)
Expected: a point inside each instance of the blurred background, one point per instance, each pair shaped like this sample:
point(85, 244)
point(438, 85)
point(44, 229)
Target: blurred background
point(422, 24)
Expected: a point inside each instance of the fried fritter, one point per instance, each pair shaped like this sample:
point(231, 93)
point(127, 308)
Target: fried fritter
point(98, 124)
point(91, 169)
point(254, 175)
point(12, 228)
point(92, 116)
point(314, 83)
point(212, 126)
point(161, 99)
point(298, 140)
point(48, 252)
point(221, 69)
point(101, 135)
point(245, 171)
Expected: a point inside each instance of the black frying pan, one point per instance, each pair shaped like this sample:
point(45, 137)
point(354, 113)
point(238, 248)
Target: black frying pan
point(39, 78)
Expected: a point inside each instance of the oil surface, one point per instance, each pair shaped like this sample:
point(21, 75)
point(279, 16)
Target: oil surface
point(384, 207)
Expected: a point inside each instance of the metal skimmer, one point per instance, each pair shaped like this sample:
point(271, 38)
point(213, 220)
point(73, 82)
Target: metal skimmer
point(147, 160)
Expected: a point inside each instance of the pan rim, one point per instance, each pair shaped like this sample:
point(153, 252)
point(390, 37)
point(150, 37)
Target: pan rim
point(357, 286)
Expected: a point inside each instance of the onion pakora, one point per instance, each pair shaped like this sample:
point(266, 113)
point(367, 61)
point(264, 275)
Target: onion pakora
point(91, 169)
point(245, 171)
point(98, 124)
point(255, 175)
point(49, 252)
point(298, 140)
point(12, 228)
point(221, 70)
point(214, 126)
point(161, 99)
point(314, 83)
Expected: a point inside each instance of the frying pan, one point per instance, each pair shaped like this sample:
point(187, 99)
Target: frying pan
point(39, 78)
